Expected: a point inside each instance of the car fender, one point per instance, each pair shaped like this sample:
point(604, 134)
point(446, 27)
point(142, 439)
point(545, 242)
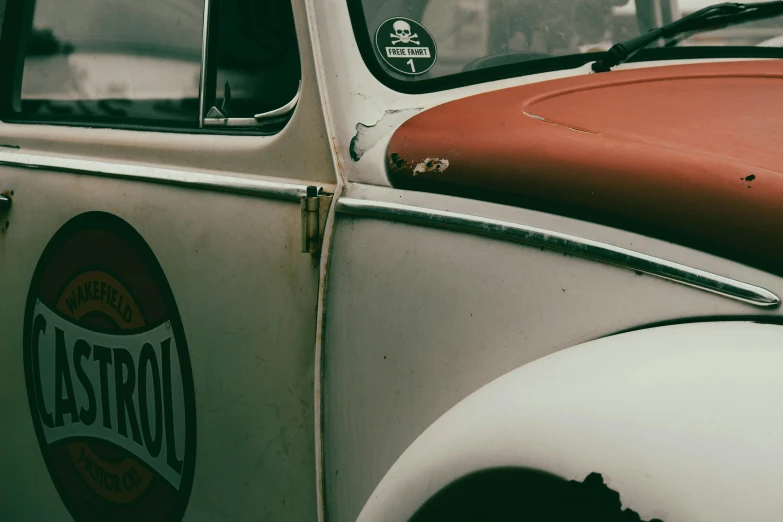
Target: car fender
point(685, 422)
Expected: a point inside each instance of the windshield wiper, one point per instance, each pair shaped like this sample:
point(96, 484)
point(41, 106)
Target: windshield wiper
point(712, 17)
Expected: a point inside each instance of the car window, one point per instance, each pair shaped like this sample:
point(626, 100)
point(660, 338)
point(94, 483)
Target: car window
point(139, 62)
point(407, 42)
point(112, 60)
point(258, 55)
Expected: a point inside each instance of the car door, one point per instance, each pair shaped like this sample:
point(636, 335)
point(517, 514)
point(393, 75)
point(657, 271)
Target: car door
point(157, 319)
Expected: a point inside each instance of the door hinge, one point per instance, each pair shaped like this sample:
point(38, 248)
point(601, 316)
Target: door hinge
point(315, 208)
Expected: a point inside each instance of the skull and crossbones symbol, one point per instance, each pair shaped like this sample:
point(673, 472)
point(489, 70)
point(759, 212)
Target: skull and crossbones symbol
point(402, 33)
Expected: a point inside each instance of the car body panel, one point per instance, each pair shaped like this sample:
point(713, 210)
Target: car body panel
point(314, 373)
point(680, 420)
point(232, 256)
point(440, 313)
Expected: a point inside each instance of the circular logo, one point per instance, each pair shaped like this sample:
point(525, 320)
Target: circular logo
point(108, 375)
point(406, 46)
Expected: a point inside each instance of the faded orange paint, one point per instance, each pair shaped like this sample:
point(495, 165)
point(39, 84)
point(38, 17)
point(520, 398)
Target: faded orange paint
point(690, 153)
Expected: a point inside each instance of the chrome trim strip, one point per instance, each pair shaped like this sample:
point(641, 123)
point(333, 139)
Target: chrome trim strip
point(203, 75)
point(576, 246)
point(182, 178)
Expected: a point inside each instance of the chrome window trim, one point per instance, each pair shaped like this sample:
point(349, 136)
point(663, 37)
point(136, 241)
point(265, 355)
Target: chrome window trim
point(202, 82)
point(215, 117)
point(181, 178)
point(585, 248)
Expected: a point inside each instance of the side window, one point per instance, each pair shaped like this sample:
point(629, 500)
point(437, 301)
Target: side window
point(257, 56)
point(145, 63)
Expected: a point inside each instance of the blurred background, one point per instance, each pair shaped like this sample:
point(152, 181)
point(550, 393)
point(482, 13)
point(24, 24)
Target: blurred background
point(466, 30)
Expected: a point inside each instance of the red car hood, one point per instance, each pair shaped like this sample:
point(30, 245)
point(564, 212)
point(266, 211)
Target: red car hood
point(690, 153)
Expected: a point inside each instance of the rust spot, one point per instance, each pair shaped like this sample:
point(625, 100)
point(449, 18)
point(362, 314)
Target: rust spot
point(395, 161)
point(435, 165)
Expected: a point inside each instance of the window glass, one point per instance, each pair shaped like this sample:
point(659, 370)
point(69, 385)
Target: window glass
point(139, 62)
point(257, 55)
point(113, 59)
point(484, 34)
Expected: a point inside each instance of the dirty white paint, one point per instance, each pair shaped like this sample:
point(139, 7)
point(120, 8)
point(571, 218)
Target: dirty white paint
point(452, 312)
point(248, 288)
point(246, 295)
point(681, 420)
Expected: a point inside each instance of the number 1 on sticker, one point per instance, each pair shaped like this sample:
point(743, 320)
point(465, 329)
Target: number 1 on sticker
point(410, 62)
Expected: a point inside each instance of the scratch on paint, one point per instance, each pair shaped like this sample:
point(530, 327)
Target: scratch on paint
point(541, 118)
point(436, 165)
point(367, 136)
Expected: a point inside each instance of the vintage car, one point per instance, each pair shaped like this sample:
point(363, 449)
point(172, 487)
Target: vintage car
point(390, 260)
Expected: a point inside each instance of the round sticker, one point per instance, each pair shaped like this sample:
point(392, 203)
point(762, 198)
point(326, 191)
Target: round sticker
point(108, 375)
point(406, 46)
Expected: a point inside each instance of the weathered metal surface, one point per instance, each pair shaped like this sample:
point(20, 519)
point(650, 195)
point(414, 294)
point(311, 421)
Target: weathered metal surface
point(246, 294)
point(669, 416)
point(577, 246)
point(435, 314)
point(315, 209)
point(696, 163)
point(299, 411)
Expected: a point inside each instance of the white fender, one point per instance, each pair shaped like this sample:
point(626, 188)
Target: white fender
point(685, 422)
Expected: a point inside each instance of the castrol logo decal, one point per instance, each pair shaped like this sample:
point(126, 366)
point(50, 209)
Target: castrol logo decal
point(108, 375)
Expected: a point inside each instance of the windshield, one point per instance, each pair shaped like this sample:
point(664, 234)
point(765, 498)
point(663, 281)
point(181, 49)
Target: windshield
point(419, 40)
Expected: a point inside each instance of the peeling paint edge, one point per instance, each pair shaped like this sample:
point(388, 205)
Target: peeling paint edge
point(355, 151)
point(352, 150)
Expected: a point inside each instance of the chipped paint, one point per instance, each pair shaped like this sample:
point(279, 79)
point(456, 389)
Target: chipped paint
point(541, 118)
point(396, 162)
point(367, 136)
point(436, 165)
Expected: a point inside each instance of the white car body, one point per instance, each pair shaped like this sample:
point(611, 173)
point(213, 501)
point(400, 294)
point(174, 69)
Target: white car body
point(355, 384)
